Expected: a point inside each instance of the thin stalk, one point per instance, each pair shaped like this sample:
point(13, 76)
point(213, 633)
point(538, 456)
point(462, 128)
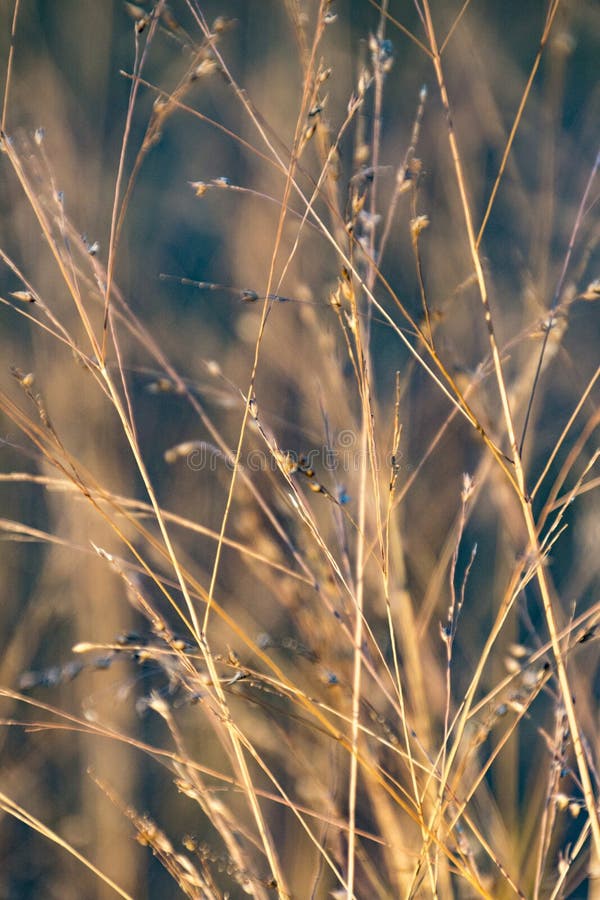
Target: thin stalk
point(524, 501)
point(9, 66)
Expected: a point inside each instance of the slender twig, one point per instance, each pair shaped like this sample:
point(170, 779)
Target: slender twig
point(519, 473)
point(557, 293)
point(9, 66)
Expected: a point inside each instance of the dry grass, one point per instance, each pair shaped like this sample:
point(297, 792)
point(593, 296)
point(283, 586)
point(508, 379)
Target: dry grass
point(299, 464)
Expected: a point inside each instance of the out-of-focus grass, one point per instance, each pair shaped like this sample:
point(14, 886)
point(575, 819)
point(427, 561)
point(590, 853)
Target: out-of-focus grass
point(331, 670)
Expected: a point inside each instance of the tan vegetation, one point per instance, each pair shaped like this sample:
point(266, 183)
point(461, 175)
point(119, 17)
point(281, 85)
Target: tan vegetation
point(299, 414)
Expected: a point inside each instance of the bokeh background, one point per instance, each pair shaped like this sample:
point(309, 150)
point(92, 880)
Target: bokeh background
point(68, 78)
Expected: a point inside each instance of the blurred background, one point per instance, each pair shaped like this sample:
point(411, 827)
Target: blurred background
point(70, 78)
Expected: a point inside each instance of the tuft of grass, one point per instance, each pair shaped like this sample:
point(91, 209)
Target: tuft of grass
point(299, 464)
